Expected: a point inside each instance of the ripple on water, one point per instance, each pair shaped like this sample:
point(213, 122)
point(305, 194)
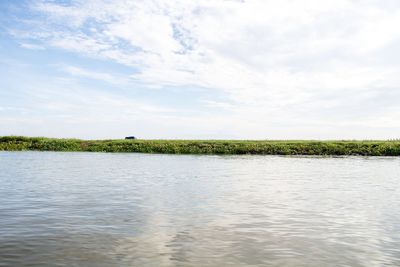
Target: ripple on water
point(94, 209)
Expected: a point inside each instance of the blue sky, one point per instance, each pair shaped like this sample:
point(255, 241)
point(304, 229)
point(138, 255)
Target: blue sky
point(253, 69)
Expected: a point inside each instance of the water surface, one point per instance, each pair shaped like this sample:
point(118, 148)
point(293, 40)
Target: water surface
point(94, 209)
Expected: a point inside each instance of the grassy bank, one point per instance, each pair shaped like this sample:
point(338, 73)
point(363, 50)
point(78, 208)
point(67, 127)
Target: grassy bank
point(365, 148)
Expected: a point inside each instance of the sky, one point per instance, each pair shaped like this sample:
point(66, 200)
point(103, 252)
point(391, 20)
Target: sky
point(209, 69)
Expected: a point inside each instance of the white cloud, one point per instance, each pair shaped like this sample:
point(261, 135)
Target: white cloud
point(276, 59)
point(106, 77)
point(32, 46)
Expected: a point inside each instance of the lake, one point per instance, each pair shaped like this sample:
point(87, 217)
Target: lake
point(103, 209)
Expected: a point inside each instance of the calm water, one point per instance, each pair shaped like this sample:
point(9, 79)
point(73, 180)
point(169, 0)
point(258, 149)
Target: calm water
point(92, 209)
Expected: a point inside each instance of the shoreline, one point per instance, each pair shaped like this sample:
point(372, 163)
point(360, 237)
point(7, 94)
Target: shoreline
point(207, 147)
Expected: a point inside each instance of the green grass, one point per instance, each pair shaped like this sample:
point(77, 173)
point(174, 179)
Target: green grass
point(228, 147)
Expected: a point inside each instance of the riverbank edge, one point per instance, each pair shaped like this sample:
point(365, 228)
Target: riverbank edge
point(209, 147)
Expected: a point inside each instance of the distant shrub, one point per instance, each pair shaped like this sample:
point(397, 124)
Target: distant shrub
point(270, 147)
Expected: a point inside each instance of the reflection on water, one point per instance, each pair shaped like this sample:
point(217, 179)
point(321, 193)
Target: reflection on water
point(92, 209)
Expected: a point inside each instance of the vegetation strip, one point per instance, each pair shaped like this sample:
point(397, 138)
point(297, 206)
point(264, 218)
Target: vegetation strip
point(227, 147)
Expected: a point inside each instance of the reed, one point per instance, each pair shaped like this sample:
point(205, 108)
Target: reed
point(228, 147)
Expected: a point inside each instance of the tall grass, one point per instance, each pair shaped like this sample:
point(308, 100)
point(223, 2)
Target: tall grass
point(278, 147)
